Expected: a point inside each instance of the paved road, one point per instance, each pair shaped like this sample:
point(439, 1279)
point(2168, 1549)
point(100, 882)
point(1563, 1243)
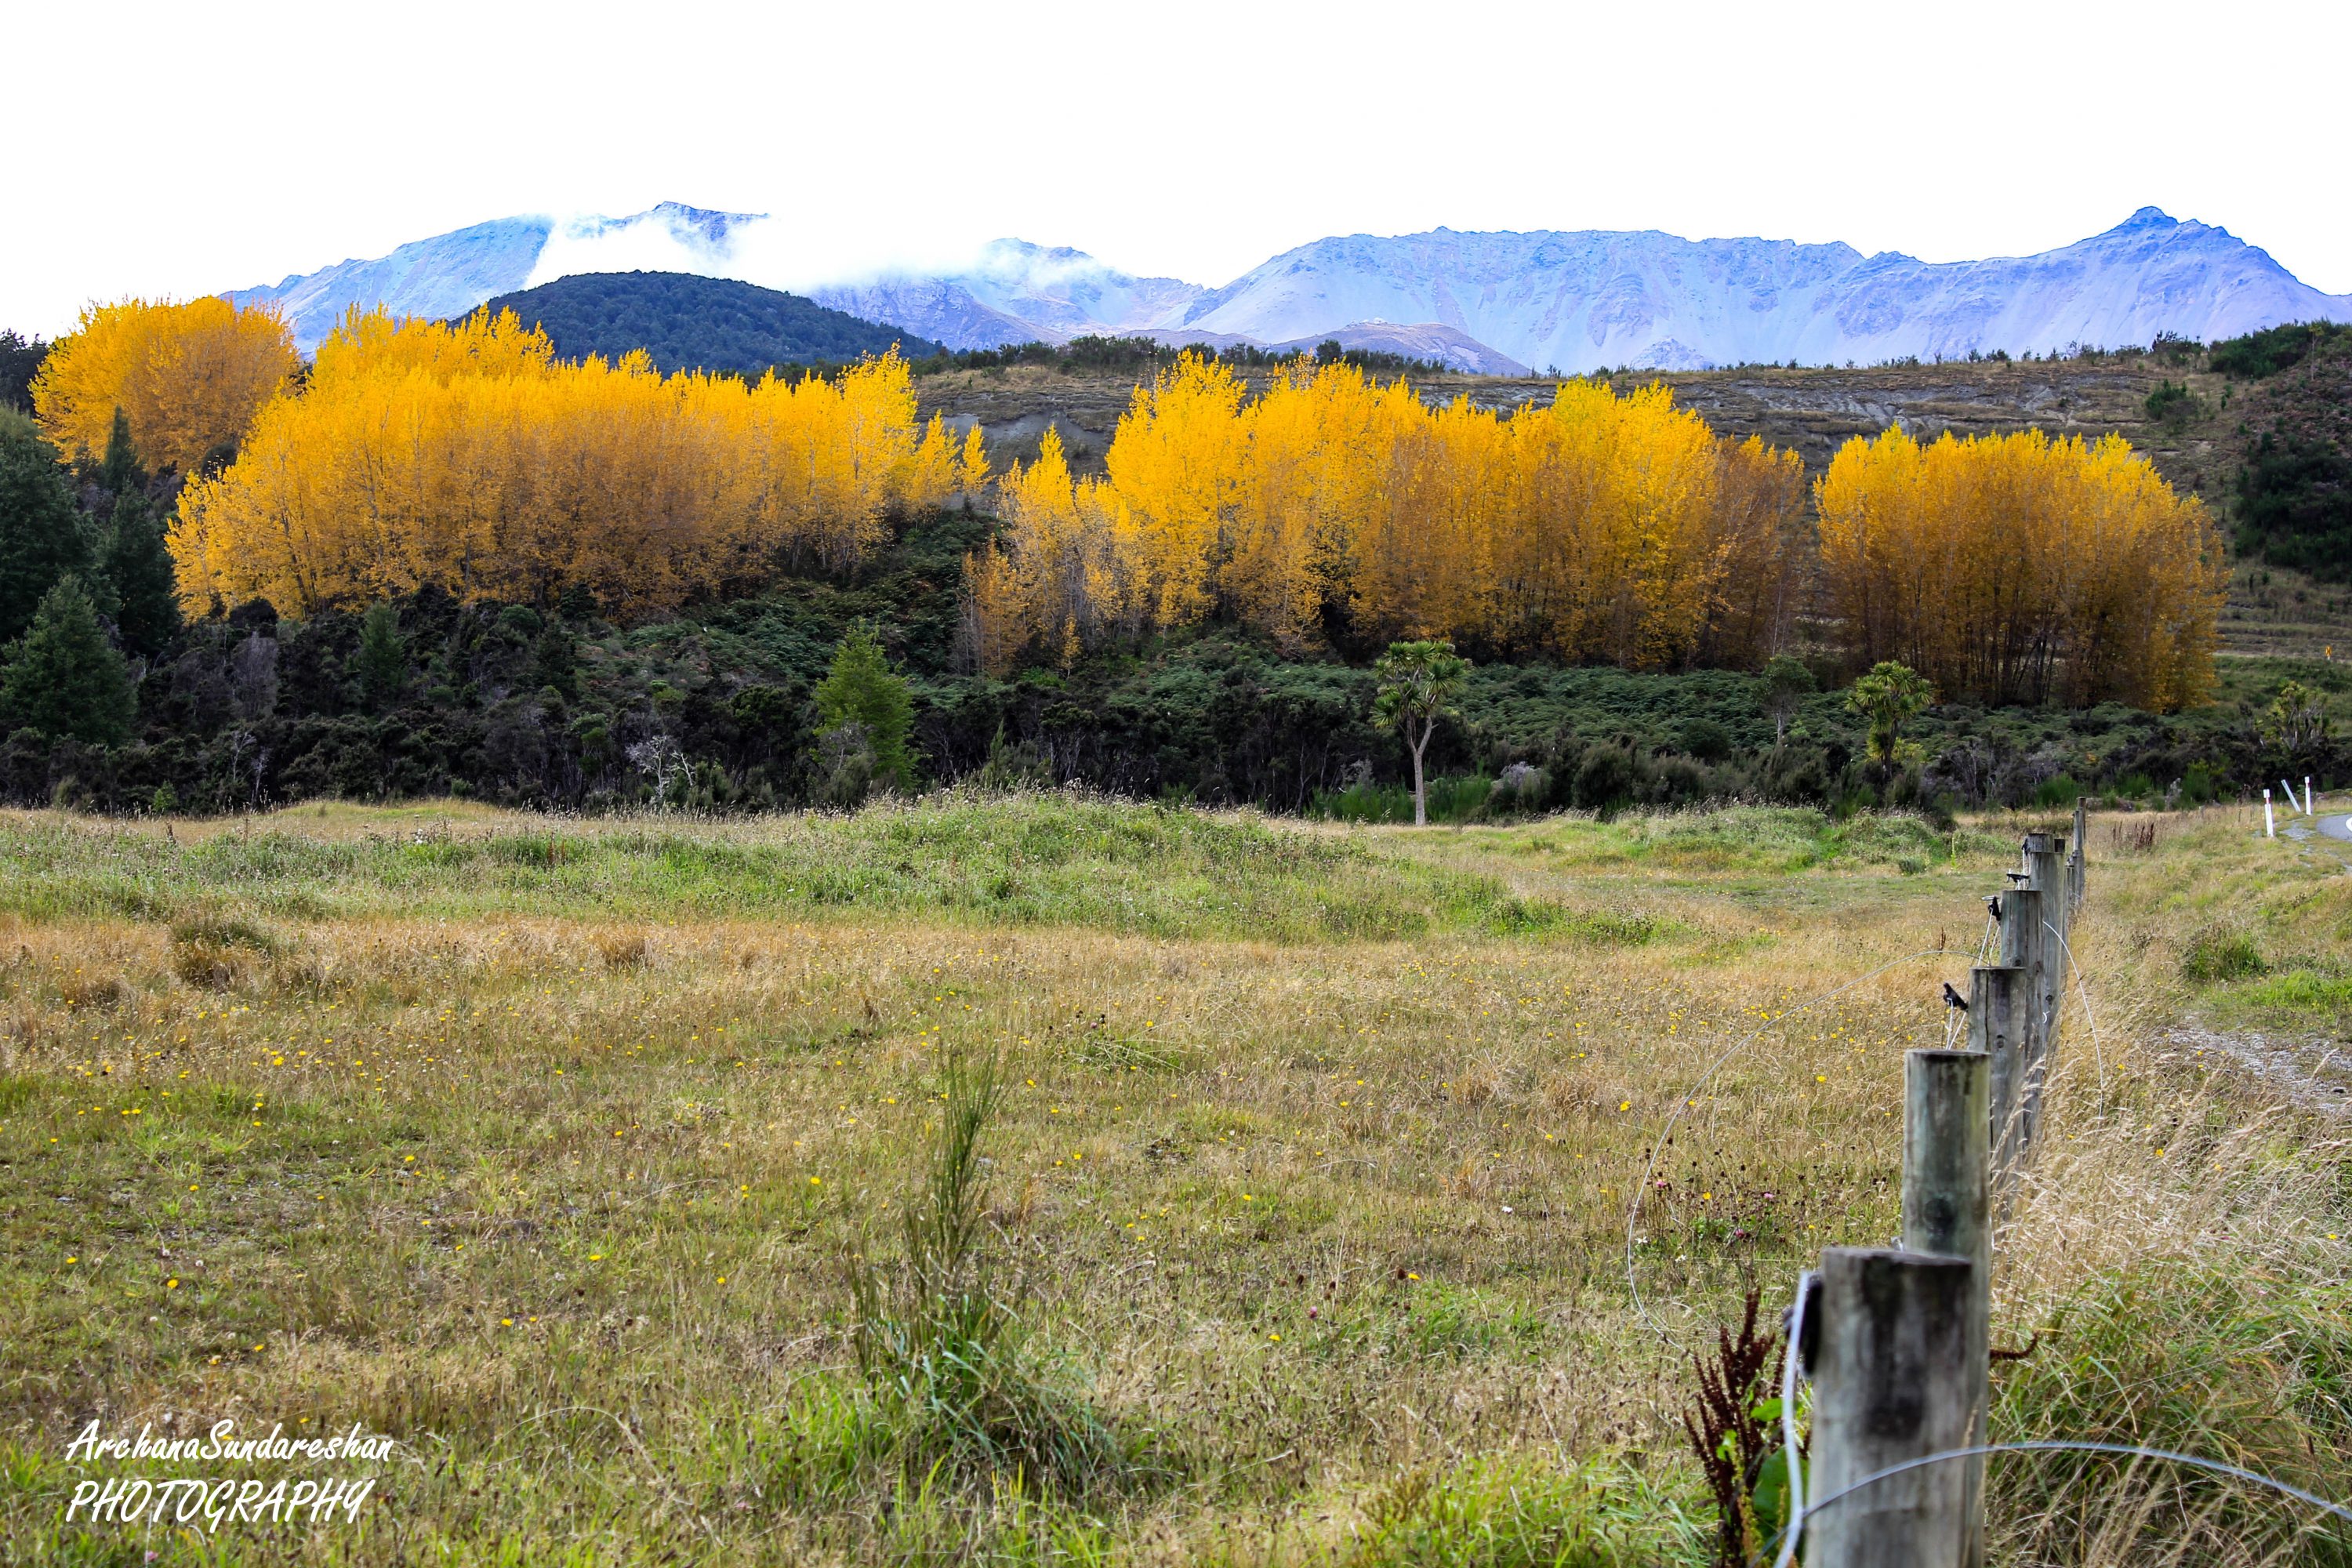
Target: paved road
point(2337, 827)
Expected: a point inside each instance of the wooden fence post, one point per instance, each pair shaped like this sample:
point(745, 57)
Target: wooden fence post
point(1998, 996)
point(2045, 871)
point(1891, 1383)
point(2025, 944)
point(2077, 881)
point(1947, 1127)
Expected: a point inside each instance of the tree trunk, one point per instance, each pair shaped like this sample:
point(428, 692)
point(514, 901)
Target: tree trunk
point(1420, 792)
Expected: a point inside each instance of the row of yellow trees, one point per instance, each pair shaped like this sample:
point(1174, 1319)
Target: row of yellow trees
point(1600, 528)
point(1597, 529)
point(465, 454)
point(1605, 529)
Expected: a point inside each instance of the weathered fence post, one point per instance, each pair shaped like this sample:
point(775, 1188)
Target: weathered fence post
point(2045, 872)
point(1998, 1000)
point(2025, 944)
point(1946, 1126)
point(1891, 1383)
point(2075, 880)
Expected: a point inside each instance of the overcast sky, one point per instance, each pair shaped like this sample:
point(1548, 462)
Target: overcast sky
point(198, 146)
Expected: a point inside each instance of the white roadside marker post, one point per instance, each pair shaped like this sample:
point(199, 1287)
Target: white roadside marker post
point(2270, 823)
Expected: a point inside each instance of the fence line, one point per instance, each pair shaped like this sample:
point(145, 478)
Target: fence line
point(1899, 1332)
point(1911, 1346)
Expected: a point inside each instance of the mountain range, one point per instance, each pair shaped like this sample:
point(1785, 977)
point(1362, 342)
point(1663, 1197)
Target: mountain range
point(1492, 302)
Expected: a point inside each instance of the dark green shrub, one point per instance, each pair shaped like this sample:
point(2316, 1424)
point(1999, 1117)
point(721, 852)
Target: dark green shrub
point(2173, 403)
point(1705, 740)
point(2060, 791)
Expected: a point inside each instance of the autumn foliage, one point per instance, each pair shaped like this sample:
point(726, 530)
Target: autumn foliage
point(2019, 569)
point(1599, 528)
point(465, 454)
point(1604, 529)
point(1325, 509)
point(189, 377)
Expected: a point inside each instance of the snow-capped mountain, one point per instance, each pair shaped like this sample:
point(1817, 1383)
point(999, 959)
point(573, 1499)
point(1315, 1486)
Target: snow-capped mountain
point(1069, 291)
point(1489, 303)
point(450, 274)
point(1584, 300)
point(445, 276)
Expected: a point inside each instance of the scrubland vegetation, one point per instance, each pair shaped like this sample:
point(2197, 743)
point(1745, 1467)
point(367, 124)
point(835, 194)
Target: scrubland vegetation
point(1039, 1178)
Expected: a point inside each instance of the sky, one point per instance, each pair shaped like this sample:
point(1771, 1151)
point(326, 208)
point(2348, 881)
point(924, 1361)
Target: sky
point(195, 146)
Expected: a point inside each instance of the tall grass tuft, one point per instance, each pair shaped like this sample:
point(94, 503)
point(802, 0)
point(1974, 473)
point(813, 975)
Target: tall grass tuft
point(2238, 1364)
point(940, 1337)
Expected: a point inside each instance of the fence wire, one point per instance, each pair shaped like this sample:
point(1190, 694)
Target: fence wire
point(1784, 1541)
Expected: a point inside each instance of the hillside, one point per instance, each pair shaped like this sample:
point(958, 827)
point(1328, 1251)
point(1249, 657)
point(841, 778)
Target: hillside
point(685, 321)
point(1811, 411)
point(2294, 492)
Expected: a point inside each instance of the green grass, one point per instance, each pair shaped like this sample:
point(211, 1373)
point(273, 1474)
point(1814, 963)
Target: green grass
point(2302, 989)
point(1502, 1515)
point(1041, 861)
point(550, 1148)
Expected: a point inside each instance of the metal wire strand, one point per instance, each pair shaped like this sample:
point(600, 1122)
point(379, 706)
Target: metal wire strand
point(1785, 1540)
point(2083, 991)
point(1789, 1375)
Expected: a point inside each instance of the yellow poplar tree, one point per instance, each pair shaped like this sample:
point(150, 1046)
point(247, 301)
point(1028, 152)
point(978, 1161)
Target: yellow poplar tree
point(188, 377)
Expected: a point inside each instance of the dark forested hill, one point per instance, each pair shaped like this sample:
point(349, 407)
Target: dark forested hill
point(684, 322)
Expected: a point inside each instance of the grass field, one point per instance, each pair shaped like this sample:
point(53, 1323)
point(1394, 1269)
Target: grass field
point(552, 1148)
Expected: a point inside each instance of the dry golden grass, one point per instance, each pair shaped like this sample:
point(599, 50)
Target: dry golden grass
point(537, 1144)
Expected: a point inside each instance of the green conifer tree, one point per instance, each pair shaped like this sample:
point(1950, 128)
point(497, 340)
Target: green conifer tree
point(137, 564)
point(119, 471)
point(64, 678)
point(41, 537)
point(860, 690)
point(382, 662)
